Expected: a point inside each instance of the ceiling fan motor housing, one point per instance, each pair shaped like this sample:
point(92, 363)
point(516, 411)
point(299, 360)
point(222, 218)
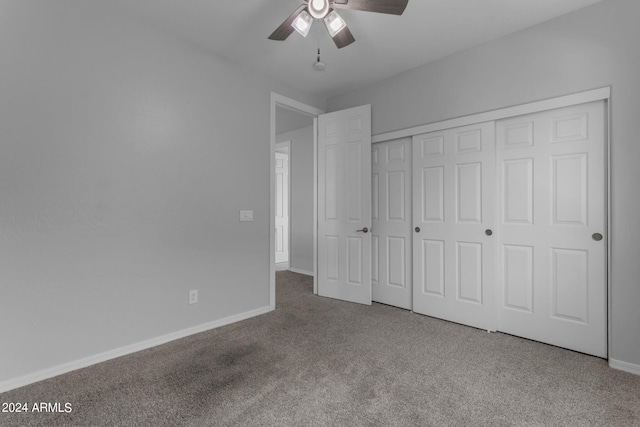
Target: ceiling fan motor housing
point(318, 8)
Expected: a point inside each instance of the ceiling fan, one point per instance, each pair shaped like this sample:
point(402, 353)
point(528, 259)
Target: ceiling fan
point(303, 17)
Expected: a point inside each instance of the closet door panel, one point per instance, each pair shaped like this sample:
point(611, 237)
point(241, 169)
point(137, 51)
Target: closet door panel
point(453, 245)
point(391, 231)
point(552, 200)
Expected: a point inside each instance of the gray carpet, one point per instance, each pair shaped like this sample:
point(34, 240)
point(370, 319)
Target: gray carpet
point(321, 362)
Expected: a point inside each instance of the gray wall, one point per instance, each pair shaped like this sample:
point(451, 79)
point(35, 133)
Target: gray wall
point(593, 47)
point(125, 157)
point(301, 170)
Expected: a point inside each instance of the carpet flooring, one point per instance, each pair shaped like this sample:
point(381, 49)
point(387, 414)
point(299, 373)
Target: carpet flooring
point(321, 362)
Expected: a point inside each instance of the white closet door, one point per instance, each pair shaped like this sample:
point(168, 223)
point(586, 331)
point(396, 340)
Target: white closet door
point(551, 180)
point(344, 205)
point(391, 276)
point(453, 215)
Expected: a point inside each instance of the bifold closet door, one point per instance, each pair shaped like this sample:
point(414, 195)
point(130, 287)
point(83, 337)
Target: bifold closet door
point(453, 215)
point(391, 215)
point(552, 254)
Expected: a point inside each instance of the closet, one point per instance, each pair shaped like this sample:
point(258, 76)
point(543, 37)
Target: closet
point(507, 225)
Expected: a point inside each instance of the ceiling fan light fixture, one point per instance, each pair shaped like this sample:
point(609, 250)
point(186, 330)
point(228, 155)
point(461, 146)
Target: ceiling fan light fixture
point(318, 8)
point(334, 23)
point(302, 23)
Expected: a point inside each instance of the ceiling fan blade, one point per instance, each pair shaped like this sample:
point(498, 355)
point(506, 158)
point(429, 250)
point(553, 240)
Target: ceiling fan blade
point(343, 38)
point(391, 7)
point(285, 29)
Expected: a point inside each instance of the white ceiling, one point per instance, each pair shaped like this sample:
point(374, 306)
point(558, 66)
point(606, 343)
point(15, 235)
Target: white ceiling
point(385, 44)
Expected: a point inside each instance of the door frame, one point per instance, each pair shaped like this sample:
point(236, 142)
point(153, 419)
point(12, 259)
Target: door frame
point(278, 100)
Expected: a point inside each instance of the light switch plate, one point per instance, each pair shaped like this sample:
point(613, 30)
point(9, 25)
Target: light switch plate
point(246, 216)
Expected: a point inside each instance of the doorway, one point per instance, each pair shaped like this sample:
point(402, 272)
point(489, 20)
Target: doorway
point(294, 122)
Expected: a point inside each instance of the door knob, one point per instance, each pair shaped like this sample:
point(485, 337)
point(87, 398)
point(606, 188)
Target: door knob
point(364, 230)
point(596, 236)
point(417, 229)
point(488, 232)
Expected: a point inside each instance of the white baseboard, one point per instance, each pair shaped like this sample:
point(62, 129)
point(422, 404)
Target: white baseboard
point(123, 351)
point(300, 271)
point(624, 366)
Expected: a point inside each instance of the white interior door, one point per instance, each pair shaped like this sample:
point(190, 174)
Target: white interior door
point(453, 215)
point(344, 205)
point(282, 207)
point(391, 276)
point(552, 206)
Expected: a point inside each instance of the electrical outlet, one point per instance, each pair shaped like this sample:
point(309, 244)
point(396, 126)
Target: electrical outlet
point(193, 296)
